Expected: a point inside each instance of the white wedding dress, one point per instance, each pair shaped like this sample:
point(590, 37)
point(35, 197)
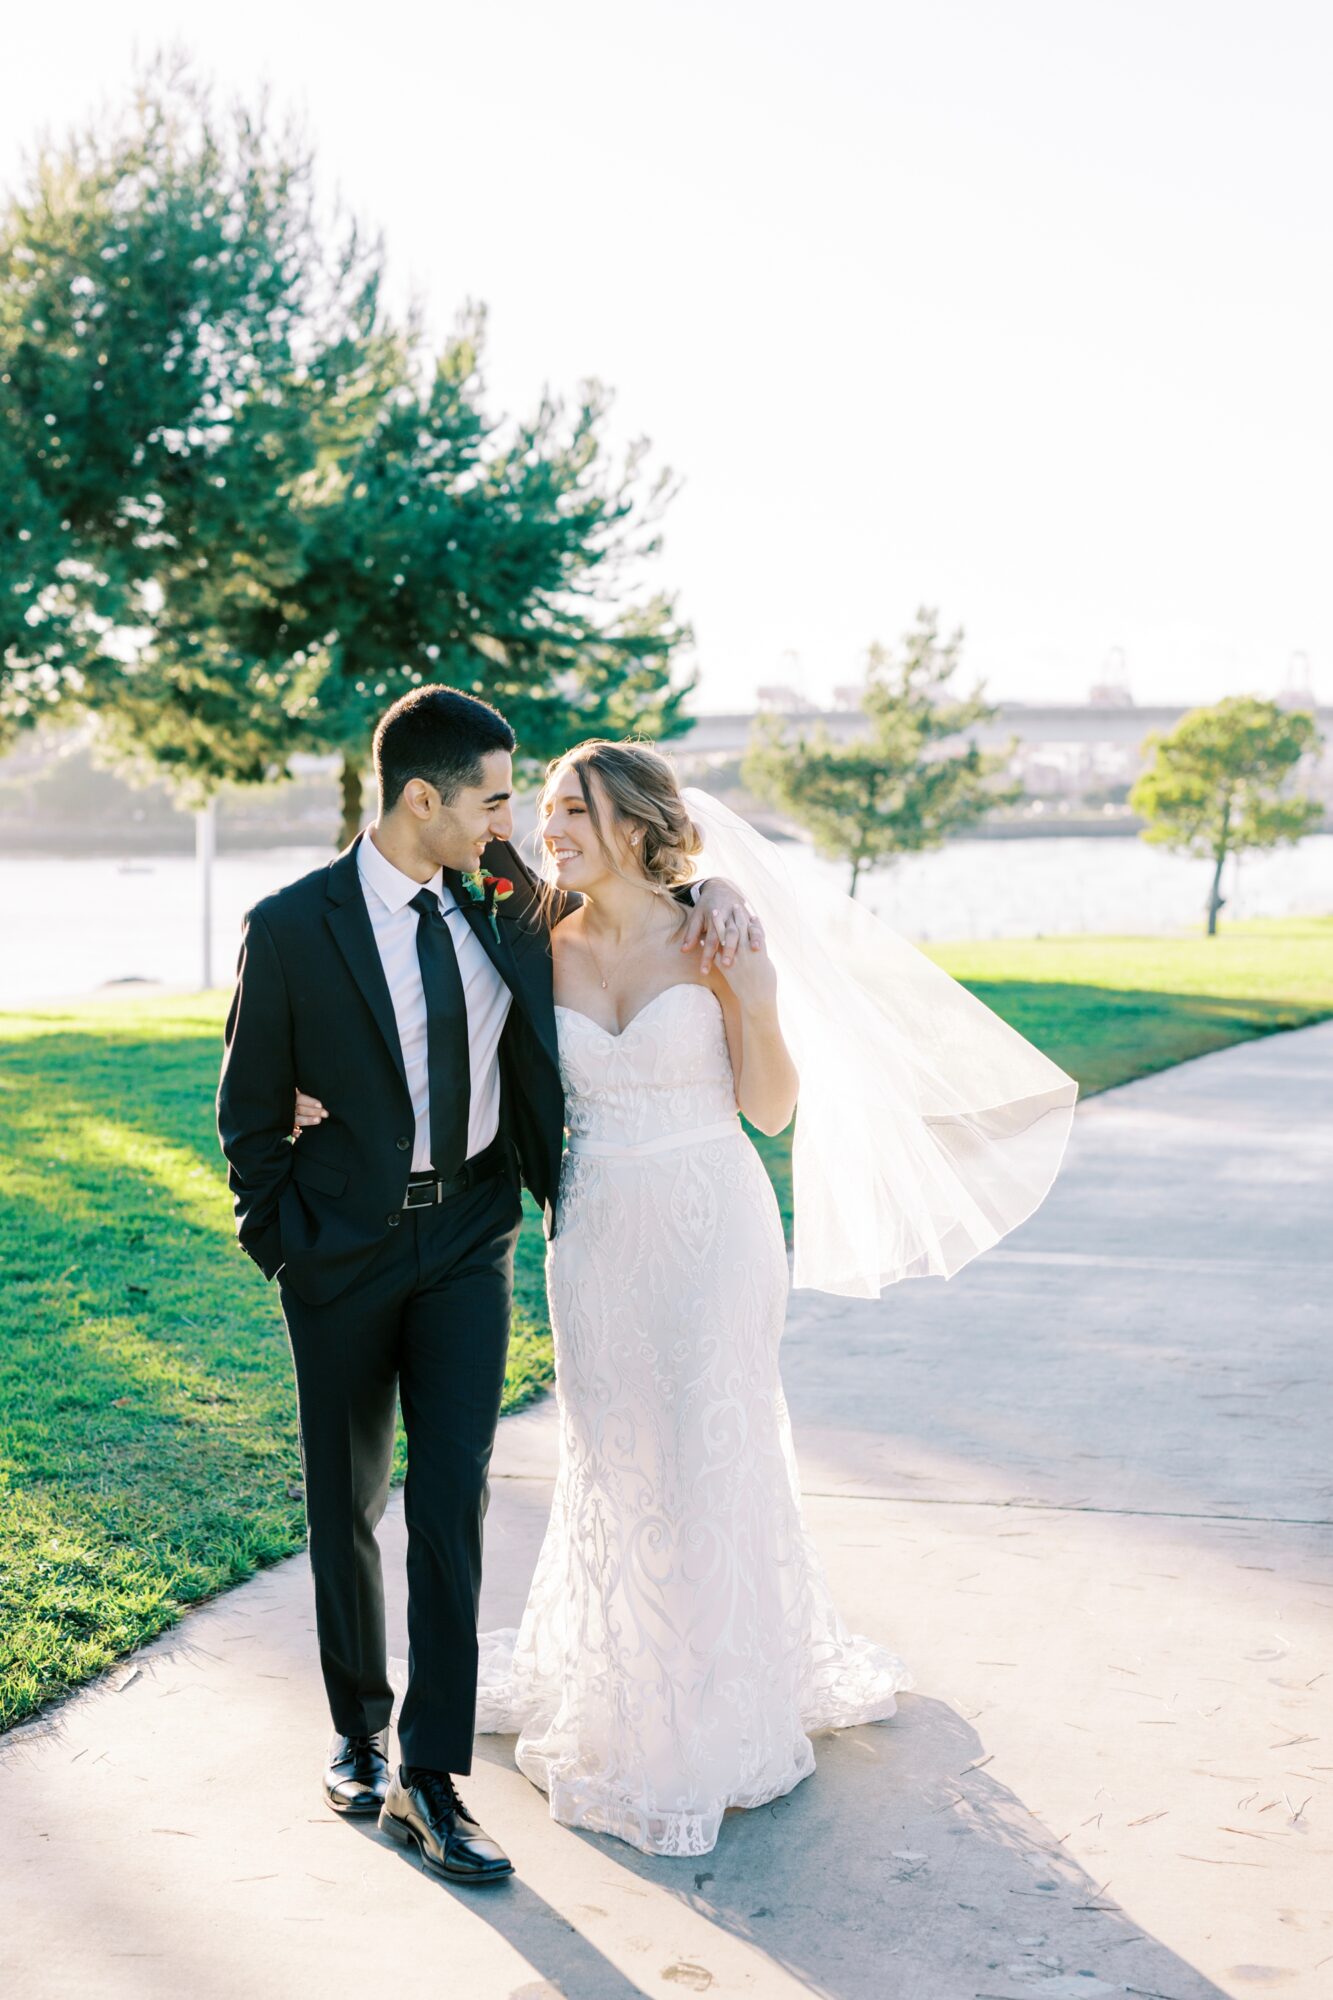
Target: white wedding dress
point(679, 1645)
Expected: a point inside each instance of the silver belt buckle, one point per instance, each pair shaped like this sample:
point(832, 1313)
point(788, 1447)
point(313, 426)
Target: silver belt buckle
point(427, 1193)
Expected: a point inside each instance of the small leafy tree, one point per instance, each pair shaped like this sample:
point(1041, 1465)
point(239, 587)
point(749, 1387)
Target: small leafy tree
point(896, 789)
point(1218, 784)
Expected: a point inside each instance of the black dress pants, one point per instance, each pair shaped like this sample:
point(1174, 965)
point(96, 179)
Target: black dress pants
point(428, 1319)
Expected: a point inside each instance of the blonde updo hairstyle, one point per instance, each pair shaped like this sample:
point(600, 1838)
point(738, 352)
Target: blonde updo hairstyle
point(643, 792)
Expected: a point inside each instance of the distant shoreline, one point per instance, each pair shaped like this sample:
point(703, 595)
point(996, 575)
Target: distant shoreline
point(158, 842)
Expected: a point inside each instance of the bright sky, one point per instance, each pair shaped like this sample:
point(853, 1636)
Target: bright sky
point(1022, 310)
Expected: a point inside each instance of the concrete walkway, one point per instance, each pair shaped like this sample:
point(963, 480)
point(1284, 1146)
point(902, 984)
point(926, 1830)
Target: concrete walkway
point(1085, 1489)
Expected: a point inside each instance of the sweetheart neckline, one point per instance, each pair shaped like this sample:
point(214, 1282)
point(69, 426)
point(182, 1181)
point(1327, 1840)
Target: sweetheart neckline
point(618, 1034)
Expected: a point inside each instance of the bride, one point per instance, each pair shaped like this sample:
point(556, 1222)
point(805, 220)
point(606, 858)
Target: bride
point(679, 1645)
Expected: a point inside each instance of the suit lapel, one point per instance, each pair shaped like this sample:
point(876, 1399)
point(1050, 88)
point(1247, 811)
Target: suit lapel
point(496, 949)
point(349, 920)
point(537, 990)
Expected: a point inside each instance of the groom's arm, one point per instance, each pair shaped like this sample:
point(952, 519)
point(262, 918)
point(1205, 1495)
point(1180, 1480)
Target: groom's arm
point(256, 1093)
point(722, 922)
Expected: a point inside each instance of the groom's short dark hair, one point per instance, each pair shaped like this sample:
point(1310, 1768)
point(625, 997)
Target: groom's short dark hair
point(439, 734)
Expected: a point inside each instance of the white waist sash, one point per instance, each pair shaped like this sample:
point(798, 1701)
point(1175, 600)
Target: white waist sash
point(669, 1142)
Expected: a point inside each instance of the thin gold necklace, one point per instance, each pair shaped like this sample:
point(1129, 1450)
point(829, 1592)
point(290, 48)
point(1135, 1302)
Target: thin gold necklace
point(620, 955)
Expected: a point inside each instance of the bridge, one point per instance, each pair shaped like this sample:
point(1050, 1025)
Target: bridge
point(1029, 721)
point(1069, 748)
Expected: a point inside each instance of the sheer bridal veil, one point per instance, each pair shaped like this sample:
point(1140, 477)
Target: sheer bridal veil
point(927, 1128)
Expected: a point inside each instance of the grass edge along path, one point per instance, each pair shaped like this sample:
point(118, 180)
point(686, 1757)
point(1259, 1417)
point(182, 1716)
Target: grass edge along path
point(148, 1447)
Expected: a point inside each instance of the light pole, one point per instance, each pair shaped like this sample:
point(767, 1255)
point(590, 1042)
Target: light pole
point(205, 851)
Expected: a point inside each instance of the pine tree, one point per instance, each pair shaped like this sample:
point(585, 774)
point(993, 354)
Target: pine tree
point(895, 789)
point(247, 513)
point(439, 545)
point(155, 283)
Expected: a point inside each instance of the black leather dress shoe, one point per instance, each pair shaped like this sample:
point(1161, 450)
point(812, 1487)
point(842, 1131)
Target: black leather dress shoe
point(423, 1809)
point(357, 1775)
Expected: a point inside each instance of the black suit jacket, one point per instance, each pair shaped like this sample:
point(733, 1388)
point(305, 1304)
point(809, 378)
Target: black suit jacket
point(312, 1004)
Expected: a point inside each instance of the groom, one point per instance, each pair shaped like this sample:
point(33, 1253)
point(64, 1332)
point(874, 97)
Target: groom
point(408, 986)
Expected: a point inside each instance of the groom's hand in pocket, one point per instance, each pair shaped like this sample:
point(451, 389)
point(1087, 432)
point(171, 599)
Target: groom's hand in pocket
point(307, 1111)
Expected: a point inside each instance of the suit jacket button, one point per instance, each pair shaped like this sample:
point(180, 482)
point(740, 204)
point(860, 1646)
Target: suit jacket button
point(403, 1145)
point(392, 1221)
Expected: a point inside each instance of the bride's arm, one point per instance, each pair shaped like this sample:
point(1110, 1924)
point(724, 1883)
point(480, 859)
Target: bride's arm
point(766, 1079)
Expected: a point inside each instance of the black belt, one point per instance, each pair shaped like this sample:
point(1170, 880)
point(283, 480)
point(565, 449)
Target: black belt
point(426, 1190)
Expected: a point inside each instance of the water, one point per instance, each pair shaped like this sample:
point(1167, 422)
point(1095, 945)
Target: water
point(71, 927)
point(1043, 887)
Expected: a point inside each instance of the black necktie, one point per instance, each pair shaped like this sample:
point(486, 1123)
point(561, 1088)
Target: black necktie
point(446, 1037)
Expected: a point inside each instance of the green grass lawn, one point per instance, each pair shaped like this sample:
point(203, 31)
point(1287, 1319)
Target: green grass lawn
point(148, 1450)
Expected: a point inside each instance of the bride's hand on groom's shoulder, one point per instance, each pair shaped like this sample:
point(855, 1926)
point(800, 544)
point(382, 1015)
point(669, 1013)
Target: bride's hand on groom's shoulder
point(307, 1111)
point(723, 926)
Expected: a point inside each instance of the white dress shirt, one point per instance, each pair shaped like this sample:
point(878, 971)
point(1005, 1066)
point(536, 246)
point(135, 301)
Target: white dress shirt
point(388, 893)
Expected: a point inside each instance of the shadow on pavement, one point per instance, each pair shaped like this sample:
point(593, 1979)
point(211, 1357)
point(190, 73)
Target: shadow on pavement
point(895, 1870)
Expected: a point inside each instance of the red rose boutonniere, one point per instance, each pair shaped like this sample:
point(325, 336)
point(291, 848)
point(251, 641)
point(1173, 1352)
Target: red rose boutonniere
point(488, 890)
